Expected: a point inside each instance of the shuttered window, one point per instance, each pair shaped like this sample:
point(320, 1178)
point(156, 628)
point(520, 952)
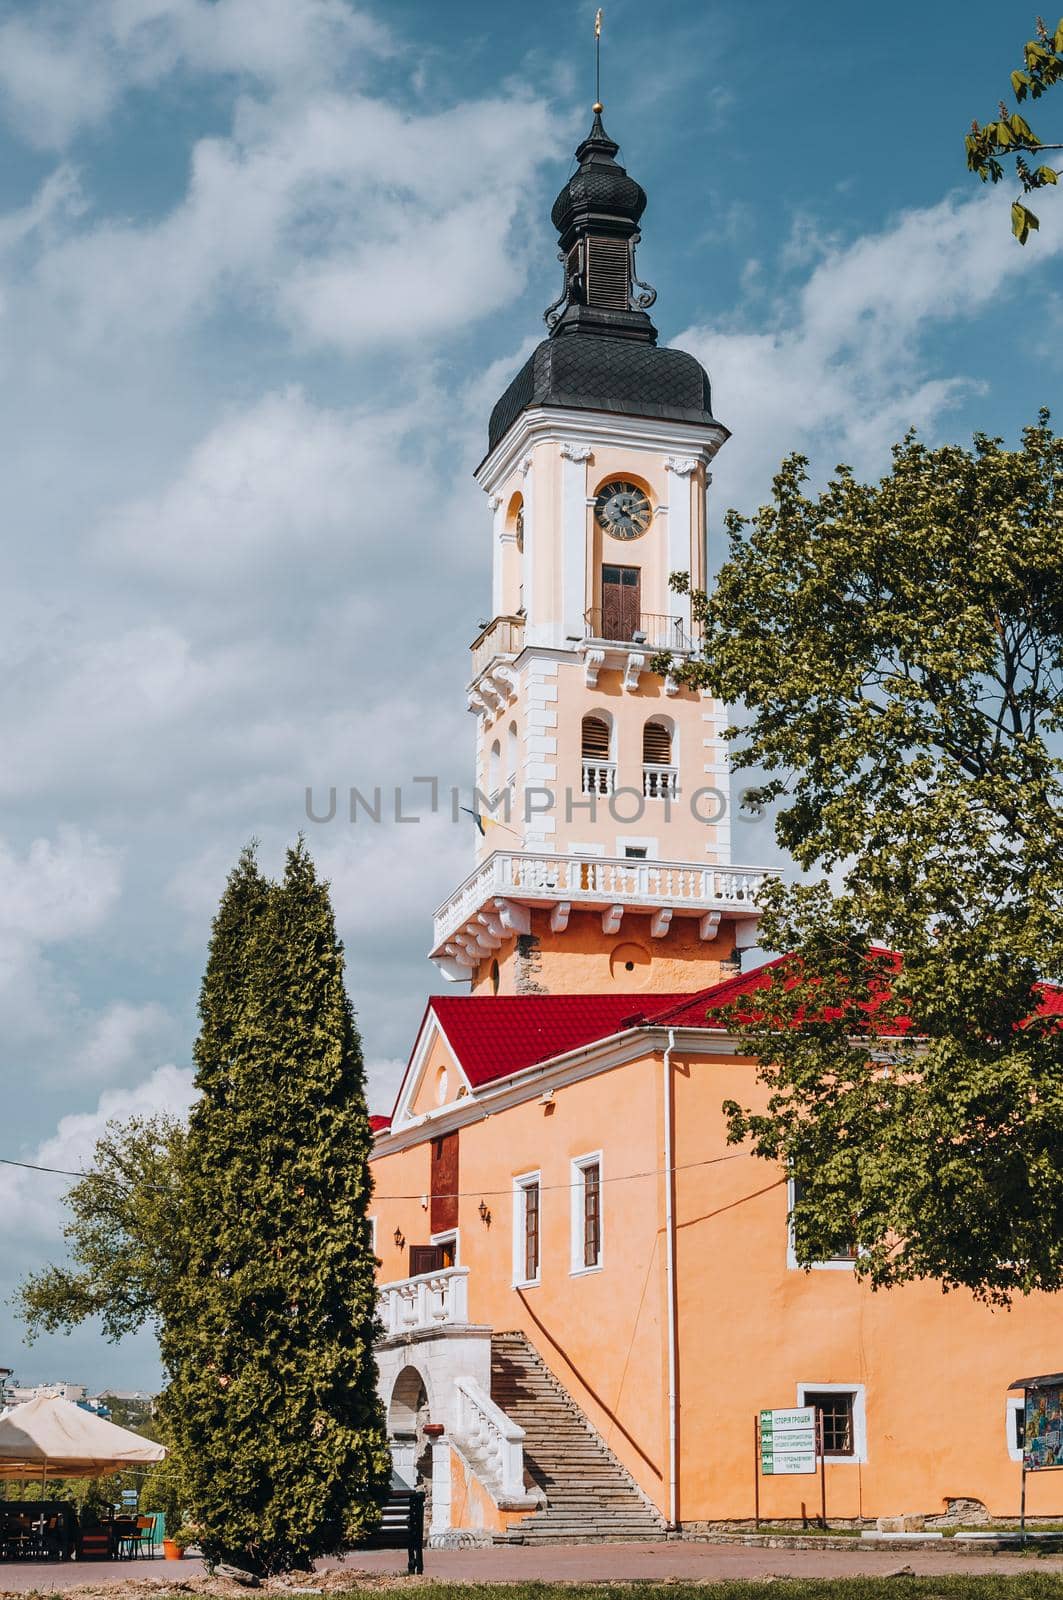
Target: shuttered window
point(656, 744)
point(608, 273)
point(531, 1231)
point(595, 739)
point(592, 1214)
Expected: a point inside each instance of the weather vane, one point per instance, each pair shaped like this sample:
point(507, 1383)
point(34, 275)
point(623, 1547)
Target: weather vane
point(598, 60)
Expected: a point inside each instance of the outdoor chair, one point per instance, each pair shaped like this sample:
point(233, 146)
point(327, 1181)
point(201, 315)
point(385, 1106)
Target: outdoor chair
point(126, 1535)
point(144, 1541)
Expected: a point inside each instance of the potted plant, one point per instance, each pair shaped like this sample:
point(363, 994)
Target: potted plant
point(175, 1544)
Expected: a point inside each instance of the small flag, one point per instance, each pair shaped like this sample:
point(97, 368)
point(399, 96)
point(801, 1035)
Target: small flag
point(483, 823)
point(598, 24)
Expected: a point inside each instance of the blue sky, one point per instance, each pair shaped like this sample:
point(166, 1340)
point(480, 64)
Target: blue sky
point(264, 267)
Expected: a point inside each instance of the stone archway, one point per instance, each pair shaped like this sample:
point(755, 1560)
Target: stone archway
point(411, 1449)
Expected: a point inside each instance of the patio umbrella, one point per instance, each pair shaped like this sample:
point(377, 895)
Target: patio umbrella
point(53, 1438)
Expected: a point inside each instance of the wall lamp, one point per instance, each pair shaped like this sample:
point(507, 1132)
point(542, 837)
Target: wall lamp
point(485, 1213)
point(400, 1238)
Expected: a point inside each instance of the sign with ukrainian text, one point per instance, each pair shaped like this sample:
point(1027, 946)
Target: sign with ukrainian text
point(788, 1441)
point(1043, 1438)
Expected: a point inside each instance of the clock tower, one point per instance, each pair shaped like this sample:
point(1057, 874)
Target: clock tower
point(603, 786)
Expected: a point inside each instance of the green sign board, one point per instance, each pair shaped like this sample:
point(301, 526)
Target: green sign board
point(788, 1441)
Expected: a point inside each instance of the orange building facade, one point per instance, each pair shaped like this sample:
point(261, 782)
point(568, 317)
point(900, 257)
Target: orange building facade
point(587, 1295)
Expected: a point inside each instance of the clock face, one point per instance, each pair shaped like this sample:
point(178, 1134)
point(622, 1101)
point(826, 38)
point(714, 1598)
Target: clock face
point(623, 509)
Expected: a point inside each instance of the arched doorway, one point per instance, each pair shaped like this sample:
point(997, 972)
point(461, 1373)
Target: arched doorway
point(411, 1448)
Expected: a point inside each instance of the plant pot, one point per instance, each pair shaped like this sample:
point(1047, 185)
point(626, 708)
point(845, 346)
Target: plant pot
point(171, 1551)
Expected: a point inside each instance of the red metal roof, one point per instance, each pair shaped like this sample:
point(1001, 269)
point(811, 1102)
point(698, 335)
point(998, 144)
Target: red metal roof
point(493, 1036)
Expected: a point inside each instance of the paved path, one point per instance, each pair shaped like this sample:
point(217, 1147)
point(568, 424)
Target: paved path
point(572, 1563)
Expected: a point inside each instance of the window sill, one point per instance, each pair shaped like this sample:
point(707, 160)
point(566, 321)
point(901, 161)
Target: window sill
point(793, 1265)
point(527, 1283)
point(585, 1272)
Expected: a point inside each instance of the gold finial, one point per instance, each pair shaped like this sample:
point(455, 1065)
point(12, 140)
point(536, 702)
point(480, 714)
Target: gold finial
point(598, 62)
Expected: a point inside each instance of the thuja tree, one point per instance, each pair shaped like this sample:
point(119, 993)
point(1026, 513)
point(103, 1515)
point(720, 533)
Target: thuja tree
point(261, 1286)
point(894, 652)
point(272, 1394)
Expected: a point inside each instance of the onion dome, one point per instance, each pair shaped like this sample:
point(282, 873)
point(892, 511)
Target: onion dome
point(601, 353)
point(600, 193)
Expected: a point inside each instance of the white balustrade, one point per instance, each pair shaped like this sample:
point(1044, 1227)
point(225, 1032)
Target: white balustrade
point(528, 876)
point(431, 1300)
point(658, 782)
point(491, 1440)
point(599, 777)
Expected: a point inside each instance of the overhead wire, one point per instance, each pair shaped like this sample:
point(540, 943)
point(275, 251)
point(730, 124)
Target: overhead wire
point(460, 1194)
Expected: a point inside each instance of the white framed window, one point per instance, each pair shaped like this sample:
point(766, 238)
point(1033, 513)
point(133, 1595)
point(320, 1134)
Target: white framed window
point(1015, 1425)
point(586, 1192)
point(448, 1243)
point(844, 1408)
point(844, 1261)
point(638, 847)
point(527, 1229)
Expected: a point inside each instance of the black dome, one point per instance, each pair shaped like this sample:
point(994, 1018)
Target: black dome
point(586, 372)
point(599, 187)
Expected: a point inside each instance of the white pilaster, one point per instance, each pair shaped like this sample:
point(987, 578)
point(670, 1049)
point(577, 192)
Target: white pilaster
point(497, 553)
point(534, 549)
point(441, 1490)
point(679, 530)
point(574, 458)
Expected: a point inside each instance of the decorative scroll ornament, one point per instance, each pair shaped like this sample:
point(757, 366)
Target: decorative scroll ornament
point(682, 466)
point(648, 294)
point(553, 313)
point(571, 451)
point(494, 501)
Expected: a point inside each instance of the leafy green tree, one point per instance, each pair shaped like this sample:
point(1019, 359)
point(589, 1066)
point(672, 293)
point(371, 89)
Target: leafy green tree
point(261, 1289)
point(124, 1235)
point(898, 650)
point(1011, 137)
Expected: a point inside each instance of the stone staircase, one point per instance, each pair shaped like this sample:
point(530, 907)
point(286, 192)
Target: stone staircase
point(590, 1497)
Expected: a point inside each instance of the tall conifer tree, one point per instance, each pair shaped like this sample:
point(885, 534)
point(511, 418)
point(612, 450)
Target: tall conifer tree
point(272, 1401)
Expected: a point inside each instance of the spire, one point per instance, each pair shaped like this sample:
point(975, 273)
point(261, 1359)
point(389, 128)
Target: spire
point(597, 218)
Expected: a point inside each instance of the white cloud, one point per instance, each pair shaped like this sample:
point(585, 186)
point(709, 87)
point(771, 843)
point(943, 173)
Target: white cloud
point(60, 889)
point(33, 1200)
point(66, 66)
point(282, 481)
point(120, 1038)
point(841, 371)
point(335, 216)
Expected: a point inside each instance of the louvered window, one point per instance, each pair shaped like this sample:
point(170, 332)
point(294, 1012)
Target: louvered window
point(656, 744)
point(595, 739)
point(608, 273)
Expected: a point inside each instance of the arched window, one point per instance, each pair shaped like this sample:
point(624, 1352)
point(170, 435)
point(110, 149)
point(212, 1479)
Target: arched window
point(657, 744)
point(659, 774)
point(494, 769)
point(511, 755)
point(599, 769)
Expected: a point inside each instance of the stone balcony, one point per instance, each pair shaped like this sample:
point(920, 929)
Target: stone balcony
point(430, 1301)
point(495, 901)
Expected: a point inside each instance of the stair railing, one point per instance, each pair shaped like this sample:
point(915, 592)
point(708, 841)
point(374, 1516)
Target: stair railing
point(493, 1440)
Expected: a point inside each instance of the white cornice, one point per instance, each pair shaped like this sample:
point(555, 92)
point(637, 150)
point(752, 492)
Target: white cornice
point(557, 425)
point(604, 1055)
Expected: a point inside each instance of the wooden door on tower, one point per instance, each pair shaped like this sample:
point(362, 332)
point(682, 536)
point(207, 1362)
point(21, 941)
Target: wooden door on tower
point(444, 1183)
point(621, 602)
